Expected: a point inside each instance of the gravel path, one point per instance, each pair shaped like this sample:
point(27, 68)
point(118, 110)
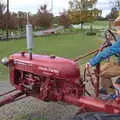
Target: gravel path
point(35, 109)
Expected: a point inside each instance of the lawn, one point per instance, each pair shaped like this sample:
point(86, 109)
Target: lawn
point(68, 46)
point(99, 23)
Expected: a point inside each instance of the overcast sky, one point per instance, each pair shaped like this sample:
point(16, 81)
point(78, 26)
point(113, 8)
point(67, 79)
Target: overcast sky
point(58, 5)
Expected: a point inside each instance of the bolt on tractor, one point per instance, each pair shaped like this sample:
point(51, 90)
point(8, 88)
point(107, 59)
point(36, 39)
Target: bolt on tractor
point(51, 78)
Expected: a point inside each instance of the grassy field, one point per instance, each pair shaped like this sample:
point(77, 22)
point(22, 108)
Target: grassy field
point(68, 46)
point(101, 23)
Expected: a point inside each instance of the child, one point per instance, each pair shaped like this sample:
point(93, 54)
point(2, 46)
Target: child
point(114, 95)
point(110, 68)
point(117, 87)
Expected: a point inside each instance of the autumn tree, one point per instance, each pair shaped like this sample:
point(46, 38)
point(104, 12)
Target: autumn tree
point(115, 11)
point(21, 20)
point(64, 19)
point(113, 14)
point(81, 11)
point(2, 10)
point(81, 4)
point(13, 22)
point(115, 4)
point(43, 17)
point(33, 20)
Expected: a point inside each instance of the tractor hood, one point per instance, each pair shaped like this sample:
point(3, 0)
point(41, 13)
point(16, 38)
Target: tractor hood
point(44, 65)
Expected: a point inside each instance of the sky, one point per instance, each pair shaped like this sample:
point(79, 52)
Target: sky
point(58, 5)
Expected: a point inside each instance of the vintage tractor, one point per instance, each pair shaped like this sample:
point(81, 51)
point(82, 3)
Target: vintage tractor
point(51, 78)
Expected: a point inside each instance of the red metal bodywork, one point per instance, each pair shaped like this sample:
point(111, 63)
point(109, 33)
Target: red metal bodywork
point(46, 77)
point(57, 67)
point(51, 78)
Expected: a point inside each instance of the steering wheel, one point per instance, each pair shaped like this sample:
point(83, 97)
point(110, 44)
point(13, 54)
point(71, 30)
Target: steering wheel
point(110, 37)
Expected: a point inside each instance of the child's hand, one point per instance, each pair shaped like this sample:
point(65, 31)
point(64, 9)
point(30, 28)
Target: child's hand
point(88, 65)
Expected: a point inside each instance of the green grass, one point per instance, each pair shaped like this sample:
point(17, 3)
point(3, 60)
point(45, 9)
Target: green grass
point(68, 46)
point(26, 117)
point(21, 117)
point(101, 23)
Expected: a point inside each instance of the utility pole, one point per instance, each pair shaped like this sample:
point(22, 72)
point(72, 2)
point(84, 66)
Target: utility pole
point(52, 6)
point(52, 12)
point(7, 20)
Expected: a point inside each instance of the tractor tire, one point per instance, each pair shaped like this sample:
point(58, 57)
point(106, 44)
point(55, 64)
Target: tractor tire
point(96, 116)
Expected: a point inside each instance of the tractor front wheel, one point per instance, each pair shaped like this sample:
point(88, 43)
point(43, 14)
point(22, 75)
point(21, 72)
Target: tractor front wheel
point(96, 116)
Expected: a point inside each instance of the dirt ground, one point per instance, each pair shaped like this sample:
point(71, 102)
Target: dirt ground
point(34, 109)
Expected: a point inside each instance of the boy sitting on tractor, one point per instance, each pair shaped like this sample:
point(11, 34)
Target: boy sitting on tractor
point(109, 69)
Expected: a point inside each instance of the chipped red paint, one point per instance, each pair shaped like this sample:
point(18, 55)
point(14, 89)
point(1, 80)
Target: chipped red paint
point(45, 77)
point(51, 78)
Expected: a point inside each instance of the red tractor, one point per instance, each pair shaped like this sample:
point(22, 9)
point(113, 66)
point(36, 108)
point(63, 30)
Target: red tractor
point(51, 78)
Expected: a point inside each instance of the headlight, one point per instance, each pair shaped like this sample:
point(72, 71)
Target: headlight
point(5, 61)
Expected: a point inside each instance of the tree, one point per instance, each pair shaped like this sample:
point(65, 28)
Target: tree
point(82, 10)
point(64, 19)
point(21, 20)
point(115, 4)
point(13, 23)
point(115, 9)
point(43, 17)
point(113, 14)
point(2, 10)
point(33, 20)
point(81, 4)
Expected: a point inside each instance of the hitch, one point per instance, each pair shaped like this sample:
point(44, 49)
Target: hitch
point(11, 97)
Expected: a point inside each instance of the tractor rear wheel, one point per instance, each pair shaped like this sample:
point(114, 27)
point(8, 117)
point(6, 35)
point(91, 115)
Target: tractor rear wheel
point(96, 116)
